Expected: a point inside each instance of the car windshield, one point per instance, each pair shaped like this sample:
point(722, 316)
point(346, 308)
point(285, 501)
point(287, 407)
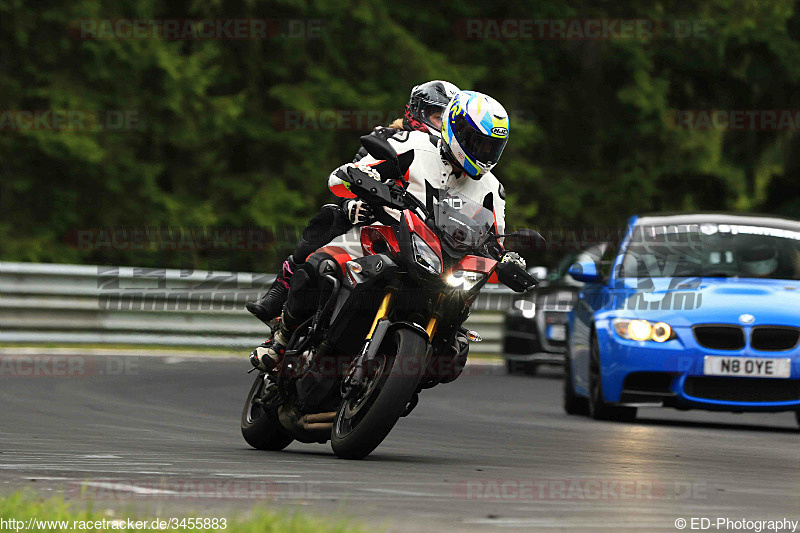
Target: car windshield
point(462, 222)
point(712, 250)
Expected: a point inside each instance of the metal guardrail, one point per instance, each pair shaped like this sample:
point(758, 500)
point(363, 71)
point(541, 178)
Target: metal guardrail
point(130, 305)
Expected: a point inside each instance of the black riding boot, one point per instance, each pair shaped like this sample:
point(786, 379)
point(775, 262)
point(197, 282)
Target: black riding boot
point(269, 307)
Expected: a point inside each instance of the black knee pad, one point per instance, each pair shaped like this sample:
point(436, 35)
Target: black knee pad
point(320, 265)
point(301, 278)
point(329, 223)
point(302, 293)
point(308, 284)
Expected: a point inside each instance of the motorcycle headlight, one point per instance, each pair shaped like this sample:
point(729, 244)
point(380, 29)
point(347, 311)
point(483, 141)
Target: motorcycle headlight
point(464, 280)
point(643, 330)
point(425, 256)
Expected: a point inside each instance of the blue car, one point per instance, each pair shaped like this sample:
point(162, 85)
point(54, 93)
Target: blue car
point(694, 311)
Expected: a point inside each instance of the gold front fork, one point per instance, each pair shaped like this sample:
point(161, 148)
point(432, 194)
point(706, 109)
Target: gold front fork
point(434, 321)
point(383, 312)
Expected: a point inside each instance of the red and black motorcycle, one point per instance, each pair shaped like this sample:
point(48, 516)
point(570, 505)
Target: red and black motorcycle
point(390, 328)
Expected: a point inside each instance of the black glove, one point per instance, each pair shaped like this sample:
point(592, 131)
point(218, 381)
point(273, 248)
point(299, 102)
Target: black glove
point(358, 211)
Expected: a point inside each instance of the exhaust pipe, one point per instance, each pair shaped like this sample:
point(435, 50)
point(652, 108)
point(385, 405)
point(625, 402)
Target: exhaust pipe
point(308, 428)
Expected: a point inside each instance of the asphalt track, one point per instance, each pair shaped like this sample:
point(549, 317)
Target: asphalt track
point(159, 436)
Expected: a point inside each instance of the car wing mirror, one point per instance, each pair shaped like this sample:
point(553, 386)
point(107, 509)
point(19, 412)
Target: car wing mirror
point(586, 272)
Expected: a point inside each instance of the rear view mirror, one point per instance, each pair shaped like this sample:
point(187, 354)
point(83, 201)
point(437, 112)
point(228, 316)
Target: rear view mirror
point(382, 150)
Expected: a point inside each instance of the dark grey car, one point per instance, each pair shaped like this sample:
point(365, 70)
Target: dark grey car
point(536, 324)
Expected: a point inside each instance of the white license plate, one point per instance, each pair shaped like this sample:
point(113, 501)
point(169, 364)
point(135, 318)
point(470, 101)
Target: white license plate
point(756, 367)
point(557, 332)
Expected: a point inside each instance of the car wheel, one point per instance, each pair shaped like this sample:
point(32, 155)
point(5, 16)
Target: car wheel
point(531, 369)
point(598, 408)
point(797, 416)
point(513, 367)
point(573, 404)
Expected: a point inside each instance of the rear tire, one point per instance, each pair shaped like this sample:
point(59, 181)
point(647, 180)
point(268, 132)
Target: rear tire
point(797, 416)
point(573, 404)
point(531, 369)
point(598, 408)
point(362, 423)
point(261, 428)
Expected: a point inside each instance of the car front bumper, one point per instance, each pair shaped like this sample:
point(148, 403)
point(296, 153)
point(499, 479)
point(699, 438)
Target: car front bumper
point(672, 374)
point(539, 339)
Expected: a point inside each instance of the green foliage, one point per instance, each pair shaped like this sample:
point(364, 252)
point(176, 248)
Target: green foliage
point(593, 138)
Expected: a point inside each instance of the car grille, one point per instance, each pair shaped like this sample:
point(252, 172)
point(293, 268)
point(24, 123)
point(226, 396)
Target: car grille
point(720, 337)
point(555, 317)
point(520, 323)
point(519, 345)
point(774, 339)
point(743, 389)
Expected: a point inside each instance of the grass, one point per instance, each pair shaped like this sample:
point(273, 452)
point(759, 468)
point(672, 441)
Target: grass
point(23, 506)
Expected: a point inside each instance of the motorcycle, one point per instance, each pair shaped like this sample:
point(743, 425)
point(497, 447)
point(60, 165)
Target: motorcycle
point(387, 331)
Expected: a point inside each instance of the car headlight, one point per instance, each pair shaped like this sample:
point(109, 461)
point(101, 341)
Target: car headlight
point(526, 307)
point(464, 280)
point(425, 256)
point(643, 330)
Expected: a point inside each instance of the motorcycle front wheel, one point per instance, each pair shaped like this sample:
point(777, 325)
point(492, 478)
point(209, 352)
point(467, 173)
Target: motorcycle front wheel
point(364, 421)
point(260, 426)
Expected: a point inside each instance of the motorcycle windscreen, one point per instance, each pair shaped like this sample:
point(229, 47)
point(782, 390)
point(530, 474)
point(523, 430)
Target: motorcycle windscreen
point(463, 223)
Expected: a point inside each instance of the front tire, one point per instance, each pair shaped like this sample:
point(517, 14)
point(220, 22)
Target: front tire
point(260, 427)
point(517, 367)
point(598, 408)
point(363, 422)
point(573, 404)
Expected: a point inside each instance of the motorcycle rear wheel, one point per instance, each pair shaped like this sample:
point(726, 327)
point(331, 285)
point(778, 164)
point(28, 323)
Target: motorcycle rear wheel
point(363, 422)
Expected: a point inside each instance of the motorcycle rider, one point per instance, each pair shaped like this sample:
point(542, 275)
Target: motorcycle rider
point(423, 112)
point(474, 133)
